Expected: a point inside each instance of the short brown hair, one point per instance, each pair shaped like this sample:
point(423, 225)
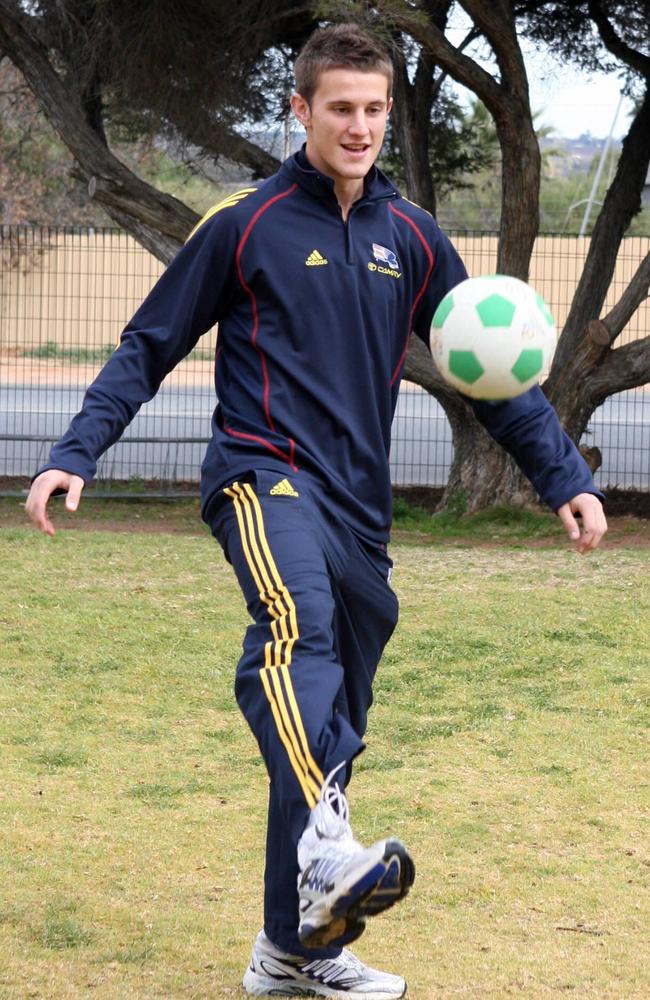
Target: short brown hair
point(340, 46)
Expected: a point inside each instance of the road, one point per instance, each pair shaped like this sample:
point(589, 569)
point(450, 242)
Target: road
point(167, 439)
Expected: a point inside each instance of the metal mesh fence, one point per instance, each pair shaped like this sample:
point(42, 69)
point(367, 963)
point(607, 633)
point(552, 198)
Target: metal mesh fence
point(66, 294)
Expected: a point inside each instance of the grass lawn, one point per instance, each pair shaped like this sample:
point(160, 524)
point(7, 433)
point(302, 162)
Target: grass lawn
point(508, 746)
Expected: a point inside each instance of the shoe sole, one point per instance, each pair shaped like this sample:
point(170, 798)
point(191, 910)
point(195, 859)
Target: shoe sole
point(376, 890)
point(264, 986)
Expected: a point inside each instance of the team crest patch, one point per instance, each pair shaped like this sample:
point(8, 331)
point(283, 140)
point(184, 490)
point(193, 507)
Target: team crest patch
point(283, 489)
point(385, 256)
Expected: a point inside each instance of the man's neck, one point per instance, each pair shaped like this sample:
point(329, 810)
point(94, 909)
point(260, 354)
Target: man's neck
point(347, 192)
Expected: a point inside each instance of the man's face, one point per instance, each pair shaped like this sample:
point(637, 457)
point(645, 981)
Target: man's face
point(345, 122)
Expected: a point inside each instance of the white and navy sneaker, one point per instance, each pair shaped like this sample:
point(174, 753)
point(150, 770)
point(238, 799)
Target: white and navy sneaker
point(273, 973)
point(340, 882)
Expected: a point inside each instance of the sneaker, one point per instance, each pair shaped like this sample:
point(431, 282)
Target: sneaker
point(340, 882)
point(273, 973)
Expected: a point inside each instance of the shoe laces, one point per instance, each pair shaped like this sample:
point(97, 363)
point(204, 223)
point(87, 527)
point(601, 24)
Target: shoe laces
point(327, 841)
point(332, 813)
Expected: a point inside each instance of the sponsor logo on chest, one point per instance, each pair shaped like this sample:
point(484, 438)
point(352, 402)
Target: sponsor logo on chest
point(385, 261)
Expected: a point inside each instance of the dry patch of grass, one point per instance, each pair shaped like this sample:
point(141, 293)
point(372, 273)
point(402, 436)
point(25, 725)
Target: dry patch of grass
point(507, 745)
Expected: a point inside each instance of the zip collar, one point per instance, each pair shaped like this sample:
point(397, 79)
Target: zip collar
point(376, 185)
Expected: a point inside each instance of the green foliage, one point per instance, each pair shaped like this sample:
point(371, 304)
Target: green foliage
point(37, 185)
point(50, 350)
point(462, 146)
point(566, 28)
point(563, 197)
point(156, 122)
point(78, 355)
point(563, 200)
point(510, 525)
point(172, 176)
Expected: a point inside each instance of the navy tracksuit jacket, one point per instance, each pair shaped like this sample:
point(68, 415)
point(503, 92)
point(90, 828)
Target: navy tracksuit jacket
point(314, 318)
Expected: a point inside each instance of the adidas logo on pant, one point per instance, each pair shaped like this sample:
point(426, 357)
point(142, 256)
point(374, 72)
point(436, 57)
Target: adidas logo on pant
point(283, 489)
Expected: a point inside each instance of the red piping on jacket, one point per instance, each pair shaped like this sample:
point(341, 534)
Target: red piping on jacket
point(267, 444)
point(416, 302)
point(255, 330)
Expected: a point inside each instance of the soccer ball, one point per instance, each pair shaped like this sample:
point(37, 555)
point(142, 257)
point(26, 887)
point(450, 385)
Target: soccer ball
point(492, 337)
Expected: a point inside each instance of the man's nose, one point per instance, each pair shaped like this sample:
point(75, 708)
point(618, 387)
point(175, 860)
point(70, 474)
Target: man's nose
point(358, 124)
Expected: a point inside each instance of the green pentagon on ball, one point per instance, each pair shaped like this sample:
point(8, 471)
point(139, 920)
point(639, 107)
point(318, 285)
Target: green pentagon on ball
point(495, 311)
point(465, 366)
point(528, 365)
point(442, 311)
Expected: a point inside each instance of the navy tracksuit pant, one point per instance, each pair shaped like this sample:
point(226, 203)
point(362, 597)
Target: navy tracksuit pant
point(322, 612)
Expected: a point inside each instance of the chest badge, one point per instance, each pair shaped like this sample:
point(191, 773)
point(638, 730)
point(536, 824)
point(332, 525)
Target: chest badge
point(385, 256)
point(315, 259)
point(385, 261)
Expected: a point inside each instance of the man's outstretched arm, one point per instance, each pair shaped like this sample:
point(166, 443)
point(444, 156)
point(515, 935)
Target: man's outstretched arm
point(526, 426)
point(184, 304)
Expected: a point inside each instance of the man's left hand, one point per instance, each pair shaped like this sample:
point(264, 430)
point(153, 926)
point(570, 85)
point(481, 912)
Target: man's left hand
point(594, 523)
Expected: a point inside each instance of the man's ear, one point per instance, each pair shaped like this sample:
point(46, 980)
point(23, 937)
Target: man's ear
point(389, 107)
point(301, 109)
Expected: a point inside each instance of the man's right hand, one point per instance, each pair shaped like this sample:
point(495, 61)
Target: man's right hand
point(42, 489)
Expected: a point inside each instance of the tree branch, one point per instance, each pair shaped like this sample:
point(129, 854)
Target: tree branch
point(635, 293)
point(509, 105)
point(161, 220)
point(496, 21)
point(440, 79)
point(631, 57)
point(625, 368)
point(621, 201)
point(427, 34)
point(411, 116)
point(215, 139)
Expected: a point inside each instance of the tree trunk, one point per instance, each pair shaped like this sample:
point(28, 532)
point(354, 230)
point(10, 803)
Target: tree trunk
point(482, 474)
point(510, 108)
point(520, 179)
point(411, 116)
point(585, 369)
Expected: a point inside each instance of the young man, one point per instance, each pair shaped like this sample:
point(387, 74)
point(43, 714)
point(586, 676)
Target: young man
point(317, 278)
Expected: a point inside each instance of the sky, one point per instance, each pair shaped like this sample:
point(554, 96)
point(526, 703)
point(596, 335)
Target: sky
point(574, 103)
point(569, 100)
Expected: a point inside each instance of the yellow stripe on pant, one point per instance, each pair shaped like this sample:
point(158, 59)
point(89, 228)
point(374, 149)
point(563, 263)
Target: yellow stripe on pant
point(275, 674)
